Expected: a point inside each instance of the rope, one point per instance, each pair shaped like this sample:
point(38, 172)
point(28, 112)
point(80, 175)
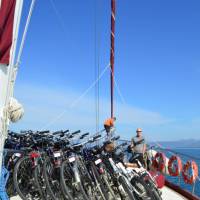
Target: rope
point(118, 88)
point(25, 32)
point(97, 42)
point(15, 110)
point(21, 47)
point(59, 17)
point(95, 64)
point(76, 101)
point(11, 71)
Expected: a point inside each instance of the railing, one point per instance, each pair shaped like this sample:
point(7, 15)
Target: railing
point(185, 155)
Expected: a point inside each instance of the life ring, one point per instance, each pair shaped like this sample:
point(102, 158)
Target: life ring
point(159, 161)
point(175, 166)
point(190, 179)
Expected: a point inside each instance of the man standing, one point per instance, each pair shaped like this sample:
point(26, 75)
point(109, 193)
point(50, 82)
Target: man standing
point(138, 147)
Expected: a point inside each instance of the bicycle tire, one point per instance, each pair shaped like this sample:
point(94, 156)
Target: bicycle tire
point(80, 185)
point(124, 184)
point(99, 183)
point(156, 195)
point(137, 180)
point(52, 192)
point(23, 194)
point(37, 176)
point(108, 185)
point(78, 189)
point(65, 189)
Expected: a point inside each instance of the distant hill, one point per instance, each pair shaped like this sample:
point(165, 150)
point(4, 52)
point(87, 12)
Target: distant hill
point(188, 143)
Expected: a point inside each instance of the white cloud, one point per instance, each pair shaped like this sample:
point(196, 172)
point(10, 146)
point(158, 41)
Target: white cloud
point(43, 106)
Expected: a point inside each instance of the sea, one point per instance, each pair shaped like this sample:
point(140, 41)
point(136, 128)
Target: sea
point(187, 154)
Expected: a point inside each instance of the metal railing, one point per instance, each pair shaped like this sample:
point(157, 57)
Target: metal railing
point(195, 187)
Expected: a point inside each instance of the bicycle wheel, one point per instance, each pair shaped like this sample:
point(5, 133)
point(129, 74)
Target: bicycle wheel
point(66, 180)
point(72, 188)
point(142, 189)
point(24, 180)
point(127, 187)
point(102, 191)
point(108, 183)
point(52, 180)
point(85, 183)
point(40, 182)
point(156, 194)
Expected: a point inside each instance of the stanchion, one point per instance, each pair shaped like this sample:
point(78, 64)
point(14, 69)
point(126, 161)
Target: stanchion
point(193, 188)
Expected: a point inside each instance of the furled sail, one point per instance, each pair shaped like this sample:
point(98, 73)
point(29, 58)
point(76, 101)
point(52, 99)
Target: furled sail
point(7, 12)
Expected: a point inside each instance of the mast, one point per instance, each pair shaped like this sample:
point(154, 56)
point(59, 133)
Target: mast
point(10, 13)
point(112, 54)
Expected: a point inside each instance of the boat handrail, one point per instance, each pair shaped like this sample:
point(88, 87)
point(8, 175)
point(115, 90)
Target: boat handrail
point(183, 155)
point(175, 152)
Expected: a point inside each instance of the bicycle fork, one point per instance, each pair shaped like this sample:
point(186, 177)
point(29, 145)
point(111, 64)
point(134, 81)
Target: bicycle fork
point(76, 173)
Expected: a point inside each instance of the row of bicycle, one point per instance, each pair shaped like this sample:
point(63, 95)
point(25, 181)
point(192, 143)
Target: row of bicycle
point(64, 165)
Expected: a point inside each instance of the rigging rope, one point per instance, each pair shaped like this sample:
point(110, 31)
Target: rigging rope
point(95, 64)
point(15, 110)
point(59, 17)
point(76, 101)
point(97, 39)
point(13, 70)
point(118, 88)
point(25, 32)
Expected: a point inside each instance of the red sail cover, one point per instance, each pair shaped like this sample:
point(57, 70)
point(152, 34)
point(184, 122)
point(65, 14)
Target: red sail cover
point(7, 11)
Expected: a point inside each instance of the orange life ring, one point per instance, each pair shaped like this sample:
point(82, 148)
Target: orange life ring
point(190, 179)
point(159, 161)
point(175, 166)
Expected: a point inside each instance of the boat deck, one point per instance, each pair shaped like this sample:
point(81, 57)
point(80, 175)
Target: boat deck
point(167, 194)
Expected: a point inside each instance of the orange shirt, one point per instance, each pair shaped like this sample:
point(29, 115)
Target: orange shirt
point(109, 122)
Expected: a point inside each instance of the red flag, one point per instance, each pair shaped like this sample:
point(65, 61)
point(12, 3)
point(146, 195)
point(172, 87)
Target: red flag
point(7, 12)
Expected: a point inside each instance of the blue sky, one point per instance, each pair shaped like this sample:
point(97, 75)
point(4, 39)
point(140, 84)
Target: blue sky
point(157, 66)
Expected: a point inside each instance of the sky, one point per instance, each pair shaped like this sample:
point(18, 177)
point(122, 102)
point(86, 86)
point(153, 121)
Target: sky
point(157, 67)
